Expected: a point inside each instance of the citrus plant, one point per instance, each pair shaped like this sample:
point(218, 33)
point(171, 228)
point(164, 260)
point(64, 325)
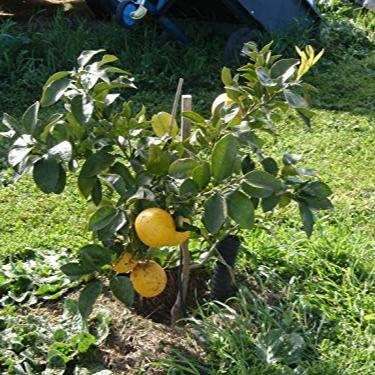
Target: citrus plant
point(147, 187)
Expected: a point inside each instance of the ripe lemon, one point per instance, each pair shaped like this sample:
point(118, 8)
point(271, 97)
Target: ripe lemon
point(156, 228)
point(125, 264)
point(148, 279)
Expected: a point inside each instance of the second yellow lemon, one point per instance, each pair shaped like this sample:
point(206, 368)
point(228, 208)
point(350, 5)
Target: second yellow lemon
point(155, 227)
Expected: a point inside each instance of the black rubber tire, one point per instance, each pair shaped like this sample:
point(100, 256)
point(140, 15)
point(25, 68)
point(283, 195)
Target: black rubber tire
point(236, 41)
point(103, 9)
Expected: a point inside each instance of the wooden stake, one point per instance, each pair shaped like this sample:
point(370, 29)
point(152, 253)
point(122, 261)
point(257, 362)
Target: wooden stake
point(178, 309)
point(186, 106)
point(175, 104)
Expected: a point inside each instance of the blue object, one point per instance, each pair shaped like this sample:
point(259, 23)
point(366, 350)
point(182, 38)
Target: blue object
point(272, 15)
point(127, 20)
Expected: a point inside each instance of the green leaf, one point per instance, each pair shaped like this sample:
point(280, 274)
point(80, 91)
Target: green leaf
point(263, 77)
point(107, 59)
point(161, 124)
point(54, 91)
point(124, 172)
point(317, 189)
point(226, 76)
point(189, 187)
point(49, 176)
point(317, 203)
point(88, 297)
point(202, 175)
point(284, 68)
point(101, 218)
point(291, 159)
point(295, 100)
point(56, 77)
point(269, 203)
point(85, 56)
point(108, 232)
point(30, 118)
point(223, 157)
point(264, 180)
point(82, 108)
point(307, 217)
point(270, 166)
point(115, 182)
point(95, 256)
point(17, 155)
point(247, 164)
point(215, 213)
point(83, 341)
point(158, 161)
point(97, 163)
point(182, 168)
point(194, 117)
point(86, 185)
point(63, 151)
point(75, 269)
point(122, 289)
point(241, 209)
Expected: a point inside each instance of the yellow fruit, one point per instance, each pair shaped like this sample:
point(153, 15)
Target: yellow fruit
point(148, 279)
point(221, 99)
point(156, 228)
point(125, 264)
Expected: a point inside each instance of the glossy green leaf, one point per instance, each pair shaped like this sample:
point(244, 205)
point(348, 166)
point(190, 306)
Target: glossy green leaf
point(182, 168)
point(161, 124)
point(264, 180)
point(269, 203)
point(241, 209)
point(102, 217)
point(226, 76)
point(85, 56)
point(62, 150)
point(54, 91)
point(202, 175)
point(123, 171)
point(88, 297)
point(49, 175)
point(95, 256)
point(318, 189)
point(97, 163)
point(158, 161)
point(215, 213)
point(30, 118)
point(75, 269)
point(122, 289)
point(295, 100)
point(270, 166)
point(82, 108)
point(307, 217)
point(223, 157)
point(189, 187)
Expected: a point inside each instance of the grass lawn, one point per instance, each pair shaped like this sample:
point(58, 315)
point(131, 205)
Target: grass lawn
point(305, 306)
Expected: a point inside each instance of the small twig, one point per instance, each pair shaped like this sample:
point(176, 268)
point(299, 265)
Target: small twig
point(175, 104)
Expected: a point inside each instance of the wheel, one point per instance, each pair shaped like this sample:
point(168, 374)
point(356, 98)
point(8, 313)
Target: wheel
point(123, 11)
point(236, 41)
point(103, 9)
